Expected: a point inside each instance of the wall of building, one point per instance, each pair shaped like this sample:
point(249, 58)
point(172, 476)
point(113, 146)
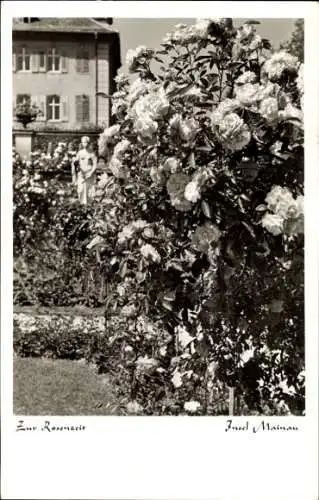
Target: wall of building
point(66, 84)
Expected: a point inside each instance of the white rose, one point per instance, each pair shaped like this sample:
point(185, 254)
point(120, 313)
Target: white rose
point(224, 107)
point(247, 94)
point(269, 109)
point(188, 130)
point(278, 196)
point(192, 406)
point(256, 42)
point(184, 338)
point(146, 127)
point(146, 364)
point(171, 165)
point(233, 133)
point(134, 407)
point(121, 148)
point(273, 223)
point(246, 77)
point(150, 253)
point(177, 380)
point(192, 192)
point(279, 62)
point(300, 79)
point(289, 112)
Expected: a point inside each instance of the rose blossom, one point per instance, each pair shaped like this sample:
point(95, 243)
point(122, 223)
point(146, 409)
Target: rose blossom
point(224, 107)
point(177, 380)
point(134, 407)
point(188, 130)
point(279, 200)
point(192, 406)
point(192, 192)
point(300, 79)
point(146, 127)
point(279, 62)
point(246, 77)
point(269, 109)
point(149, 252)
point(247, 94)
point(273, 223)
point(233, 133)
point(121, 148)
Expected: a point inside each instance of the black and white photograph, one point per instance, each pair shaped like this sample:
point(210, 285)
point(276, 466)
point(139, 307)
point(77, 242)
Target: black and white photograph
point(158, 216)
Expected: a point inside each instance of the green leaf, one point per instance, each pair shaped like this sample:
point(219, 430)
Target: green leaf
point(249, 229)
point(261, 208)
point(123, 269)
point(206, 209)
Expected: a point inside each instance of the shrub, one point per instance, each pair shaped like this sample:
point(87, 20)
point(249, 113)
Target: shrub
point(205, 217)
point(49, 222)
point(56, 338)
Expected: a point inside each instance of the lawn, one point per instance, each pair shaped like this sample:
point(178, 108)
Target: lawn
point(60, 387)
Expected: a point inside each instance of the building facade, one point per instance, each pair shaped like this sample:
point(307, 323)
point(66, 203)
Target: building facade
point(62, 65)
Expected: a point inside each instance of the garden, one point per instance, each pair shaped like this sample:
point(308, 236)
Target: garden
point(179, 290)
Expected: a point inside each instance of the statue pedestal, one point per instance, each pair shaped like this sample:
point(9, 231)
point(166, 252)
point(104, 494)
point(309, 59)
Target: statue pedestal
point(23, 142)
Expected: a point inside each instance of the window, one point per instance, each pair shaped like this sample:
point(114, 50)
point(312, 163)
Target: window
point(54, 63)
point(42, 59)
point(23, 59)
point(23, 99)
point(53, 107)
point(82, 108)
point(29, 20)
point(82, 59)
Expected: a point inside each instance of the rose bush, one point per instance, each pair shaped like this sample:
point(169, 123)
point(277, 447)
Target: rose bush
point(205, 210)
point(52, 263)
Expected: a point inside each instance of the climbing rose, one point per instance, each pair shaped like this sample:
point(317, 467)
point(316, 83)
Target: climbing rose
point(192, 192)
point(232, 132)
point(273, 223)
point(150, 253)
point(279, 62)
point(247, 77)
point(269, 109)
point(247, 94)
point(300, 79)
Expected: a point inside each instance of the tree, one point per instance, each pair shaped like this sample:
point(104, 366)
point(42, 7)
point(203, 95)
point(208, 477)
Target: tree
point(295, 45)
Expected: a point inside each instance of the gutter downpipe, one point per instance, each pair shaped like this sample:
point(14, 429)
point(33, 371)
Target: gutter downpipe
point(96, 80)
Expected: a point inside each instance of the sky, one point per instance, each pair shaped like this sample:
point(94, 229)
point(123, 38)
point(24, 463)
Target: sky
point(150, 32)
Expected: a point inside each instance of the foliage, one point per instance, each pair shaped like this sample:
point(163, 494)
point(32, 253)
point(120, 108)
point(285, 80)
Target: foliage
point(41, 338)
point(204, 215)
point(48, 221)
point(46, 142)
point(54, 337)
point(295, 45)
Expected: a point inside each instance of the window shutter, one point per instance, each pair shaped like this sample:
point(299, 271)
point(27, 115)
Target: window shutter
point(86, 108)
point(35, 101)
point(79, 63)
point(14, 104)
point(42, 105)
point(14, 62)
point(78, 108)
point(34, 63)
point(85, 65)
point(64, 63)
point(42, 62)
point(64, 109)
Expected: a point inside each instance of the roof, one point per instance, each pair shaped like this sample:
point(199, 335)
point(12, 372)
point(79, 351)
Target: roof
point(64, 25)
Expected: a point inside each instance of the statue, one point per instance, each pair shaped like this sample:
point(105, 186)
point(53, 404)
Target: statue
point(84, 172)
